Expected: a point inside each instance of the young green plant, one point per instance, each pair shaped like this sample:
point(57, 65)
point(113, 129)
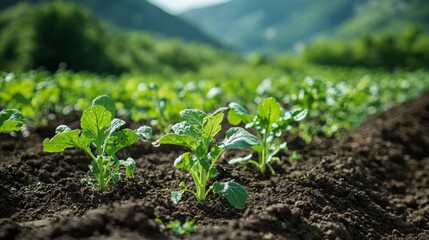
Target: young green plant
point(11, 120)
point(197, 132)
point(101, 138)
point(160, 105)
point(182, 229)
point(269, 123)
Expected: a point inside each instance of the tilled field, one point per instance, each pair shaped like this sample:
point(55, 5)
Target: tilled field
point(372, 185)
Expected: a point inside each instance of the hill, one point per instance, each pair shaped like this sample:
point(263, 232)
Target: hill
point(281, 25)
point(391, 16)
point(64, 34)
point(136, 15)
point(270, 25)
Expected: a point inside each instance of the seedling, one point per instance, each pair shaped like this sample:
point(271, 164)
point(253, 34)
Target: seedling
point(101, 138)
point(160, 103)
point(198, 133)
point(11, 120)
point(269, 123)
point(182, 229)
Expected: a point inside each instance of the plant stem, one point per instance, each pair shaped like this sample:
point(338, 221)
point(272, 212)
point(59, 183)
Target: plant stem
point(90, 154)
point(201, 187)
point(263, 161)
point(101, 174)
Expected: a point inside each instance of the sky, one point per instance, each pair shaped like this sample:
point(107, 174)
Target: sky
point(180, 6)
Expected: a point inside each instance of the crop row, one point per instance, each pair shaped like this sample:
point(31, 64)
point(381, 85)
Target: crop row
point(337, 99)
point(327, 106)
point(101, 136)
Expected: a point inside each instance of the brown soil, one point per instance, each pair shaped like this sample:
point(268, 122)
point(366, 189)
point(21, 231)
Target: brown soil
point(373, 185)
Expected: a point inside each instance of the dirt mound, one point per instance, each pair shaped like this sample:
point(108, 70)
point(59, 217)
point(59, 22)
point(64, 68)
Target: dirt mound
point(373, 185)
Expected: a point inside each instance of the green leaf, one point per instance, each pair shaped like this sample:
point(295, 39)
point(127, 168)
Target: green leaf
point(176, 227)
point(185, 161)
point(193, 116)
point(182, 184)
point(186, 141)
point(94, 168)
point(202, 157)
point(144, 132)
point(61, 129)
point(244, 159)
point(11, 120)
point(238, 114)
point(295, 156)
point(130, 167)
point(115, 176)
point(215, 152)
point(238, 138)
point(186, 129)
point(269, 110)
point(106, 102)
point(189, 226)
point(95, 122)
point(66, 140)
point(179, 229)
point(257, 148)
point(115, 124)
point(233, 192)
point(119, 140)
point(299, 115)
point(213, 172)
point(220, 110)
point(233, 118)
point(275, 148)
point(238, 109)
point(286, 116)
point(213, 125)
point(176, 196)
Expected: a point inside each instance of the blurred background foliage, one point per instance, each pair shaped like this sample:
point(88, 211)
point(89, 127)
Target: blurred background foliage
point(408, 49)
point(134, 15)
point(342, 59)
point(49, 34)
point(135, 36)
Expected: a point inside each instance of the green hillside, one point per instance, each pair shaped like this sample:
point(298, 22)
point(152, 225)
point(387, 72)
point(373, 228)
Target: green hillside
point(64, 34)
point(392, 16)
point(281, 25)
point(270, 25)
point(136, 15)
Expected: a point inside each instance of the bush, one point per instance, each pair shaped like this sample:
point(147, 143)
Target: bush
point(408, 50)
point(47, 35)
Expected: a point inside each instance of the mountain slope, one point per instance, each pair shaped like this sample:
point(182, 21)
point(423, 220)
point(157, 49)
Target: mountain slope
point(270, 25)
point(386, 16)
point(280, 25)
point(136, 15)
point(63, 34)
